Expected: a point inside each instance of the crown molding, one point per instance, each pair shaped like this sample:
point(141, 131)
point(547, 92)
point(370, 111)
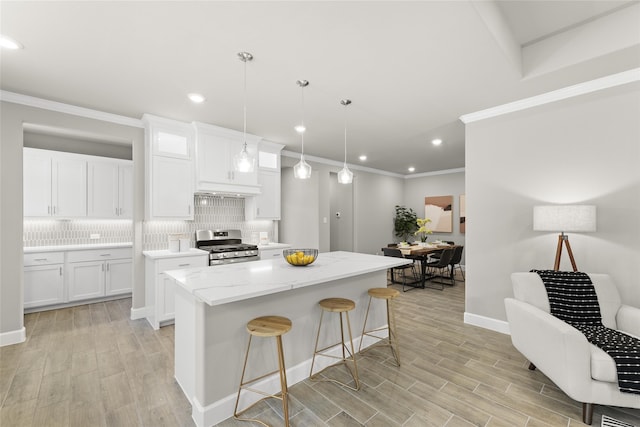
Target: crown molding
point(606, 82)
point(441, 172)
point(322, 160)
point(60, 107)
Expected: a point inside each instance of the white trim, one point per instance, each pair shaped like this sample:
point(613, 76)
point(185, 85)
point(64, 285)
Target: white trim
point(612, 80)
point(45, 104)
point(487, 323)
point(220, 410)
point(138, 313)
point(13, 337)
point(441, 172)
point(322, 160)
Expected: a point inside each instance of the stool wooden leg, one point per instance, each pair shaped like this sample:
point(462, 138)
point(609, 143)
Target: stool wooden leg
point(244, 368)
point(315, 349)
point(393, 338)
point(364, 325)
point(353, 354)
point(283, 383)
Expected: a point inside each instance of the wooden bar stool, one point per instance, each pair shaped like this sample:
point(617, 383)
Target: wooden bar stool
point(391, 340)
point(267, 326)
point(341, 306)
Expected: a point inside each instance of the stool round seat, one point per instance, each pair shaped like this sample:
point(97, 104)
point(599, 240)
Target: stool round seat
point(269, 326)
point(383, 293)
point(337, 305)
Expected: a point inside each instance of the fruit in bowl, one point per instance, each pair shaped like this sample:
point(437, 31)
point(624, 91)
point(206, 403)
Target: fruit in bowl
point(300, 257)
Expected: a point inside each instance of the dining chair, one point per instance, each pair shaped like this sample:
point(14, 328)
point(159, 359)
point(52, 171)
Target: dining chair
point(411, 268)
point(441, 264)
point(455, 262)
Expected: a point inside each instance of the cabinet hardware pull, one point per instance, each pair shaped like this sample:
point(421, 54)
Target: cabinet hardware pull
point(102, 267)
point(40, 259)
point(116, 211)
point(183, 265)
point(107, 266)
point(54, 210)
point(61, 271)
point(105, 254)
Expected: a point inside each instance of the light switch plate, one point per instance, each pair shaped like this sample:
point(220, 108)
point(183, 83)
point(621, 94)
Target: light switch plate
point(94, 236)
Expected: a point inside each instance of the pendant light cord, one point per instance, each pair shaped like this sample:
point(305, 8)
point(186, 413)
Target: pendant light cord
point(345, 134)
point(244, 109)
point(302, 134)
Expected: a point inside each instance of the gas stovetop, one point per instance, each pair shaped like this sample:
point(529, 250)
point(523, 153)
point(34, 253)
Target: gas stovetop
point(225, 246)
point(228, 248)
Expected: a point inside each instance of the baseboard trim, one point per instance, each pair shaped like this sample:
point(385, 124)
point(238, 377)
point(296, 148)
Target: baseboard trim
point(220, 410)
point(487, 323)
point(138, 313)
point(13, 337)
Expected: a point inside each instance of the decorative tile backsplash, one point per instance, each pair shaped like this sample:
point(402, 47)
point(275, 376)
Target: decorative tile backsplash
point(211, 212)
point(49, 232)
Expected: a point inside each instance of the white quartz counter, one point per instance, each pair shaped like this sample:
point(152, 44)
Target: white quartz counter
point(165, 253)
point(223, 284)
point(65, 248)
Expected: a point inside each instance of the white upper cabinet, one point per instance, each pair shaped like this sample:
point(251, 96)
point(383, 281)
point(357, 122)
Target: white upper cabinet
point(266, 205)
point(55, 184)
point(109, 189)
point(169, 169)
point(216, 148)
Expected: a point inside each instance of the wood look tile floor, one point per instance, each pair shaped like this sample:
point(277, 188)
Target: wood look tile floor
point(93, 366)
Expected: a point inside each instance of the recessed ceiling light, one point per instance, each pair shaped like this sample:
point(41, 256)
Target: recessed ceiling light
point(363, 158)
point(300, 128)
point(436, 141)
point(196, 97)
point(9, 43)
point(412, 169)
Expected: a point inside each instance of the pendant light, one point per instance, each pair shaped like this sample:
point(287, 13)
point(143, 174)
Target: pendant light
point(345, 176)
point(302, 170)
point(243, 161)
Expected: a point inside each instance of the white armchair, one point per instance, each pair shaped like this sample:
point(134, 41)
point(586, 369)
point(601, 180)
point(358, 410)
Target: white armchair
point(581, 370)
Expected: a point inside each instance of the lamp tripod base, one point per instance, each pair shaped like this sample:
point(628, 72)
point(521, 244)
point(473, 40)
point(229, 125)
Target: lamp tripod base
point(564, 239)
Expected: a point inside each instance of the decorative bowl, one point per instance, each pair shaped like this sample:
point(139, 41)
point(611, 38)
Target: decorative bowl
point(300, 257)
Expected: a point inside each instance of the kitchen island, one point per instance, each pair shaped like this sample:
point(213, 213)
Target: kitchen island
point(213, 305)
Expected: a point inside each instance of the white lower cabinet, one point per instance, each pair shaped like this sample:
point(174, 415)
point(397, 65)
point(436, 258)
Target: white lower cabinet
point(98, 273)
point(159, 288)
point(43, 279)
point(85, 280)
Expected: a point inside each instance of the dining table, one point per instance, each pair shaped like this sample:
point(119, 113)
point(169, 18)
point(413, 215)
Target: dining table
point(421, 253)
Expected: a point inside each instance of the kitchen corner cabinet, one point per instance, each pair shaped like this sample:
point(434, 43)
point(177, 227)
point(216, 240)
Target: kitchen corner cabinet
point(98, 273)
point(110, 189)
point(266, 205)
point(43, 279)
point(55, 184)
point(160, 288)
point(169, 169)
point(216, 149)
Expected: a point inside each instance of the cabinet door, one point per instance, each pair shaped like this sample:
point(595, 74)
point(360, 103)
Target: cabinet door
point(125, 192)
point(118, 276)
point(102, 189)
point(268, 202)
point(69, 189)
point(165, 309)
point(172, 188)
point(36, 183)
point(43, 285)
point(85, 280)
point(212, 158)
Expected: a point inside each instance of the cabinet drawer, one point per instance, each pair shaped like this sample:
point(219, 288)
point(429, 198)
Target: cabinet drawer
point(99, 254)
point(43, 258)
point(182, 262)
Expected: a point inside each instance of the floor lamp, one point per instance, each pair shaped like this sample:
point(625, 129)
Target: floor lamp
point(564, 218)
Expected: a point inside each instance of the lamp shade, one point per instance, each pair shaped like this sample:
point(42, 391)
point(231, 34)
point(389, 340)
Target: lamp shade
point(564, 218)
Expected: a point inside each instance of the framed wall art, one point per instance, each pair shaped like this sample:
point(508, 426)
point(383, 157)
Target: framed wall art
point(439, 209)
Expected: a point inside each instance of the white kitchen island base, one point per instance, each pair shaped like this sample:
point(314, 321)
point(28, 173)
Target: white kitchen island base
point(210, 326)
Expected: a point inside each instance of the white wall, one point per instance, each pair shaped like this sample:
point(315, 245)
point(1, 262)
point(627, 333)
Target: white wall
point(299, 225)
point(341, 200)
point(582, 150)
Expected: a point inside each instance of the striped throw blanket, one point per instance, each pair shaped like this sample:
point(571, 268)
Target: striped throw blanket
point(573, 299)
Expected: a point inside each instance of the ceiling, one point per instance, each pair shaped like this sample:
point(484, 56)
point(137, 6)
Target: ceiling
point(410, 68)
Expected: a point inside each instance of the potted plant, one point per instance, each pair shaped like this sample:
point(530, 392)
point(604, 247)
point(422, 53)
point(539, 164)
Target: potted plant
point(422, 232)
point(404, 222)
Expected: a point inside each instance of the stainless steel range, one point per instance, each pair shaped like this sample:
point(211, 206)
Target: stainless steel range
point(225, 246)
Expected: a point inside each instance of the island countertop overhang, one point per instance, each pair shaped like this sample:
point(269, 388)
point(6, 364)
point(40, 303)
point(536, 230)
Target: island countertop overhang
point(222, 284)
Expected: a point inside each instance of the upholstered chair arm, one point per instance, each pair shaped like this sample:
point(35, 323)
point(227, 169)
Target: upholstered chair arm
point(559, 350)
point(628, 320)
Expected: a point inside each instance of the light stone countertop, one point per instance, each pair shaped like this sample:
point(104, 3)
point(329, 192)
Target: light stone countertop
point(165, 253)
point(66, 248)
point(227, 283)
